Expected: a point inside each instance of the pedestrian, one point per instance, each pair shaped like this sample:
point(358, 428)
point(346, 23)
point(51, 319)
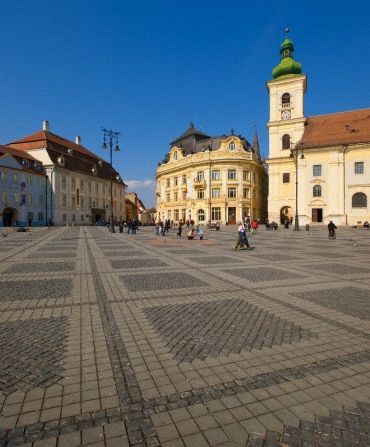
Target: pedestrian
point(129, 226)
point(242, 237)
point(331, 228)
point(200, 234)
point(30, 221)
point(179, 230)
point(254, 226)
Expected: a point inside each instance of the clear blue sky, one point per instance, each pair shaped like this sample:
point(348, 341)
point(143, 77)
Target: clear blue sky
point(147, 68)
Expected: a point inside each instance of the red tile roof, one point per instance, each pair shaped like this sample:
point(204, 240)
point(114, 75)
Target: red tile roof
point(80, 159)
point(22, 155)
point(336, 129)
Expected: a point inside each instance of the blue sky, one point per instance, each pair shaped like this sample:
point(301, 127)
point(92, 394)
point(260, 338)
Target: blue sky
point(147, 68)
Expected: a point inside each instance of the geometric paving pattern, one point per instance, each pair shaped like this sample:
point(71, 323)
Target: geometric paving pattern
point(343, 427)
point(35, 290)
point(338, 268)
point(263, 274)
point(22, 267)
point(199, 330)
point(136, 263)
point(31, 353)
point(160, 281)
point(349, 300)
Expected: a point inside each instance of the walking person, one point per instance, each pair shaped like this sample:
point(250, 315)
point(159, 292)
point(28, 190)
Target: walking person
point(242, 238)
point(331, 227)
point(254, 226)
point(179, 230)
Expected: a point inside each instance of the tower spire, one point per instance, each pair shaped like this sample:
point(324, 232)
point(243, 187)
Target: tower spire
point(288, 66)
point(256, 144)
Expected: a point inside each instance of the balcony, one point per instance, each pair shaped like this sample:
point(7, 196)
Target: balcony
point(199, 183)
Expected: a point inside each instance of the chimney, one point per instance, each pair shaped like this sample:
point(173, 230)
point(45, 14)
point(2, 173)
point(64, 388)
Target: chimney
point(78, 140)
point(45, 125)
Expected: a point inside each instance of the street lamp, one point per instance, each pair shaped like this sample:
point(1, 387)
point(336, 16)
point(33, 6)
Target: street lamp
point(294, 152)
point(110, 139)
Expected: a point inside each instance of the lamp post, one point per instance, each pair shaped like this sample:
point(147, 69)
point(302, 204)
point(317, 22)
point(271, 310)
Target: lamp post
point(110, 139)
point(294, 152)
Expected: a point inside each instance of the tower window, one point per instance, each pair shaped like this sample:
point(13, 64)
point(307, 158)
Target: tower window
point(285, 99)
point(232, 146)
point(286, 141)
point(317, 191)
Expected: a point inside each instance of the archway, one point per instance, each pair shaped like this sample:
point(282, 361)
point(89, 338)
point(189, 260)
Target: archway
point(9, 215)
point(286, 212)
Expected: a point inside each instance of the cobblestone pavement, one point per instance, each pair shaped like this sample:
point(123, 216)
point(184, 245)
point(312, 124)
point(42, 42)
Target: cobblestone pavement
point(135, 340)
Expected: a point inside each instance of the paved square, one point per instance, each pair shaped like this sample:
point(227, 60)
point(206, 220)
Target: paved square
point(137, 340)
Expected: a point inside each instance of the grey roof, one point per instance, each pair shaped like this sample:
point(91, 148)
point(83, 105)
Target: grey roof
point(194, 140)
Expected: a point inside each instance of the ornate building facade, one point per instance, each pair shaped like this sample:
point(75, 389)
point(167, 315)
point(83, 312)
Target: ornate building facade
point(319, 166)
point(23, 189)
point(211, 179)
point(79, 181)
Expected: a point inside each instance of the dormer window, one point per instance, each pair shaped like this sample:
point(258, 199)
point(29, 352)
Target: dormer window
point(70, 151)
point(94, 170)
point(232, 146)
point(61, 160)
point(175, 155)
point(25, 163)
point(100, 163)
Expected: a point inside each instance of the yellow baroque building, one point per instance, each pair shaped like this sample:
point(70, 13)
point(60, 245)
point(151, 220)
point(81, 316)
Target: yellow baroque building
point(318, 166)
point(211, 179)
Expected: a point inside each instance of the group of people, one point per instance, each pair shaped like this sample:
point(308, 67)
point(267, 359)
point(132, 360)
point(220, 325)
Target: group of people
point(251, 224)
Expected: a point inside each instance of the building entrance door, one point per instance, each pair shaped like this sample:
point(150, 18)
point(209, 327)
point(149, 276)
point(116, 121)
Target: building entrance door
point(8, 217)
point(316, 214)
point(231, 215)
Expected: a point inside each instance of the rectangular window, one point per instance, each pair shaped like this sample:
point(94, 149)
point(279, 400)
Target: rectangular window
point(97, 189)
point(175, 181)
point(200, 176)
point(175, 196)
point(73, 217)
point(316, 170)
point(82, 218)
point(64, 218)
point(89, 187)
point(82, 185)
point(176, 215)
point(231, 174)
point(231, 193)
point(82, 200)
point(64, 200)
point(216, 175)
point(359, 167)
point(73, 201)
point(215, 193)
point(184, 195)
point(15, 178)
point(168, 183)
point(246, 193)
point(200, 193)
point(286, 177)
point(3, 174)
point(73, 183)
point(246, 176)
point(16, 198)
point(167, 197)
point(64, 183)
point(41, 199)
point(40, 217)
point(216, 214)
point(41, 181)
point(184, 179)
point(29, 199)
point(183, 214)
point(29, 179)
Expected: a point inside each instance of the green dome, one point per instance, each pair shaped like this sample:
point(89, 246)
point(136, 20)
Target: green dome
point(288, 67)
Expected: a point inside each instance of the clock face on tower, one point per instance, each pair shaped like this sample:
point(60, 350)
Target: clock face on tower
point(285, 115)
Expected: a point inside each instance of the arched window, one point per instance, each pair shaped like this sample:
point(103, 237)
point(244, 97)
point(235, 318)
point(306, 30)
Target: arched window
point(232, 146)
point(286, 141)
point(285, 99)
point(317, 191)
point(359, 200)
point(201, 216)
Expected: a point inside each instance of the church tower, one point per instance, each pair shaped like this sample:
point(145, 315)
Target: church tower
point(286, 127)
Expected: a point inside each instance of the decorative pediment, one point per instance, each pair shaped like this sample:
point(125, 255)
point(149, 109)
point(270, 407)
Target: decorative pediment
point(231, 144)
point(317, 181)
point(176, 153)
point(317, 202)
